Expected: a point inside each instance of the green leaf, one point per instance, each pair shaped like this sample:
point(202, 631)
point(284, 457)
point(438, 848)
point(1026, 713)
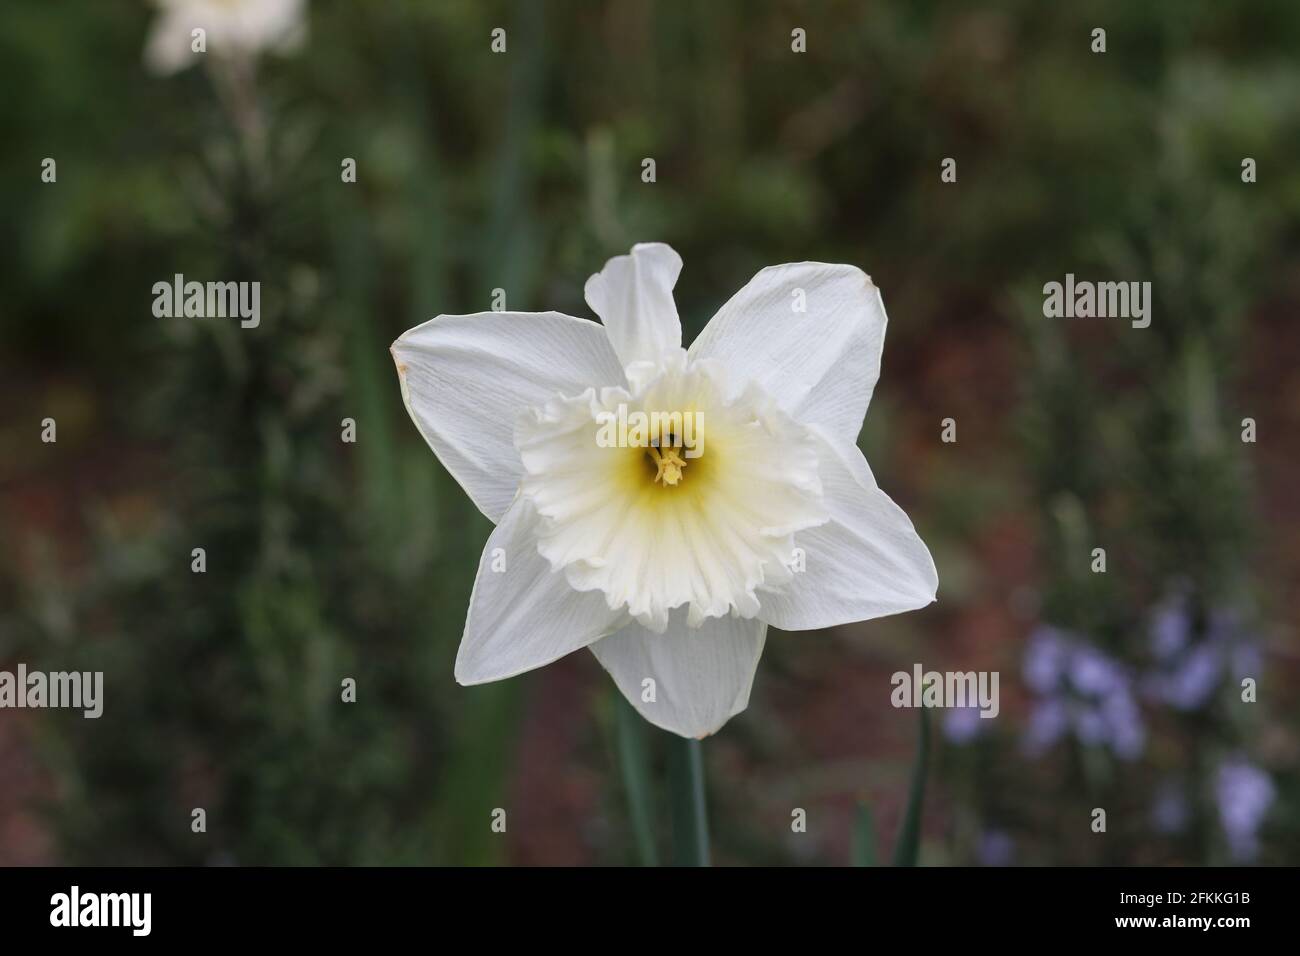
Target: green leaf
point(908, 847)
point(863, 852)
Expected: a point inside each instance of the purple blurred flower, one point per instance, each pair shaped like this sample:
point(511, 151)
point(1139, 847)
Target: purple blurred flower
point(1048, 722)
point(1171, 626)
point(1046, 658)
point(1092, 672)
point(1125, 730)
point(1193, 681)
point(1189, 670)
point(1245, 660)
point(1170, 810)
point(996, 848)
point(1089, 725)
point(1227, 631)
point(1244, 793)
point(961, 725)
point(1083, 691)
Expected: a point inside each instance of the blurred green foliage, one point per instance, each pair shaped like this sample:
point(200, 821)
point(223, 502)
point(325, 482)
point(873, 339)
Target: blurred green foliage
point(522, 171)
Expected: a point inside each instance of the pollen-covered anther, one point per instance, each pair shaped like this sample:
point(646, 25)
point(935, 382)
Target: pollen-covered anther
point(668, 464)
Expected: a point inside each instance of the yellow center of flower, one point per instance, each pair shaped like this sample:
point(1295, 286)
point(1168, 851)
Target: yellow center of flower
point(668, 463)
point(634, 499)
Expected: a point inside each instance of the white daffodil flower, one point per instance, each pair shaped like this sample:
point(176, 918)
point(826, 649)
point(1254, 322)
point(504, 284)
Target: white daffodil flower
point(233, 28)
point(668, 562)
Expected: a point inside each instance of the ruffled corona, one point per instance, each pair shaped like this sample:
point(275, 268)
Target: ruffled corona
point(695, 504)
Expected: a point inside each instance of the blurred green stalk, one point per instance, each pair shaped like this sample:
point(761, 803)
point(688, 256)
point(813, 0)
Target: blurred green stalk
point(686, 802)
point(634, 762)
point(908, 847)
point(863, 850)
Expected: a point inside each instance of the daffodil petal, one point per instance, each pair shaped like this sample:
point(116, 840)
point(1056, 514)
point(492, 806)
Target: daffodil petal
point(701, 676)
point(866, 562)
point(821, 364)
point(466, 378)
point(523, 615)
point(633, 295)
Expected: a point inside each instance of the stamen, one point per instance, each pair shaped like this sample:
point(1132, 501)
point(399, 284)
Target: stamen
point(668, 463)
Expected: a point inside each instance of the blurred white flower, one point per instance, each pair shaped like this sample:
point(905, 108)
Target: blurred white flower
point(669, 567)
point(234, 29)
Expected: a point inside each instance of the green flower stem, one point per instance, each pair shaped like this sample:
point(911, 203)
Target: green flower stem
point(634, 762)
point(686, 802)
